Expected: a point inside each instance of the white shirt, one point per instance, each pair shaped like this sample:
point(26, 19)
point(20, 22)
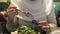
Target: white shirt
point(42, 10)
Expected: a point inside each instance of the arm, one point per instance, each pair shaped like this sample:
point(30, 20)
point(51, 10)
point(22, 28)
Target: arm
point(51, 18)
point(10, 18)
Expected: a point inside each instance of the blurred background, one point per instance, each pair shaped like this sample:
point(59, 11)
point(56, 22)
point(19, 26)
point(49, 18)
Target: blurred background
point(4, 4)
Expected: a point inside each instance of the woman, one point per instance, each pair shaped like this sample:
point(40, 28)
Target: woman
point(42, 10)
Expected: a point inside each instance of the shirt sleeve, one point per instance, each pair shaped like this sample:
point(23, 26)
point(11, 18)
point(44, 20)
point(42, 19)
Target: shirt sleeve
point(51, 18)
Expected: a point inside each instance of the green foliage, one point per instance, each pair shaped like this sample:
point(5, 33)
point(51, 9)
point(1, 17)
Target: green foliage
point(57, 7)
point(26, 30)
point(4, 5)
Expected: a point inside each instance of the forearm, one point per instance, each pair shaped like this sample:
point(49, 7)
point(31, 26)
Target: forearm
point(10, 24)
point(52, 19)
point(11, 20)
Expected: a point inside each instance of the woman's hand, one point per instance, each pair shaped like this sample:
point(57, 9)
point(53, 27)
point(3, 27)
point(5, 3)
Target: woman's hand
point(11, 13)
point(44, 26)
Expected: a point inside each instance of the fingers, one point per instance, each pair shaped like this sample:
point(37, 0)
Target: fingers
point(47, 30)
point(46, 27)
